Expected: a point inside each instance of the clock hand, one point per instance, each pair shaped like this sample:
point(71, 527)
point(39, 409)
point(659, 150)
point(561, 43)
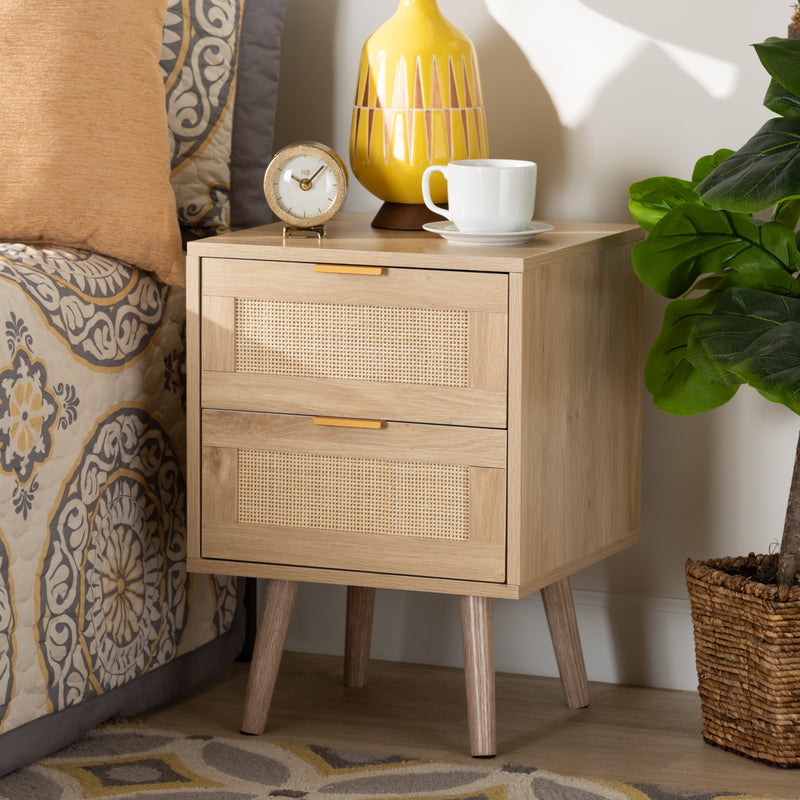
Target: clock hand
point(305, 183)
point(311, 179)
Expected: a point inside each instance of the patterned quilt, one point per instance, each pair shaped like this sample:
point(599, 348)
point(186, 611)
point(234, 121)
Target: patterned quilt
point(93, 587)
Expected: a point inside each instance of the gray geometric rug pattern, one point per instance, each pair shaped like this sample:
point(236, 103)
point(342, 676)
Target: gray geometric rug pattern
point(130, 762)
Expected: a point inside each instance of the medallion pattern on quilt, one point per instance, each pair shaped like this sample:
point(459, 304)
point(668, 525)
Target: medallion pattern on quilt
point(105, 312)
point(7, 625)
point(30, 412)
point(113, 593)
point(175, 369)
point(199, 53)
point(224, 589)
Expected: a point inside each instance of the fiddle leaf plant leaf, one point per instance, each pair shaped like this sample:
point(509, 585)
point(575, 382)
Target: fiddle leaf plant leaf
point(764, 171)
point(781, 59)
point(782, 101)
point(780, 242)
point(707, 164)
point(676, 385)
point(746, 339)
point(771, 364)
point(683, 381)
point(654, 198)
point(693, 240)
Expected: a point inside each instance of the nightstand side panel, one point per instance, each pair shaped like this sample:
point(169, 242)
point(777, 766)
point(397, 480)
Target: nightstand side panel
point(574, 413)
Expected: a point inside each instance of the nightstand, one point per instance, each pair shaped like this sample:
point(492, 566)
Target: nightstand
point(386, 409)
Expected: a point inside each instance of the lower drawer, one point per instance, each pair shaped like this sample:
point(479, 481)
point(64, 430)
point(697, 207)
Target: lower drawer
point(399, 498)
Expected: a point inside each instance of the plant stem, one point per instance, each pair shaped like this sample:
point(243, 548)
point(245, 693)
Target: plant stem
point(789, 558)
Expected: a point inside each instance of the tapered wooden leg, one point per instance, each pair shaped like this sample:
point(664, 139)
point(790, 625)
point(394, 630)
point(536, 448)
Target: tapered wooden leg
point(276, 612)
point(560, 611)
point(478, 640)
point(358, 634)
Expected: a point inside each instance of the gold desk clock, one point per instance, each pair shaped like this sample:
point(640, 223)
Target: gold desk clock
point(305, 185)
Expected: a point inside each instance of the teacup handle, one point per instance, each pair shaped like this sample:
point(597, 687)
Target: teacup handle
point(426, 190)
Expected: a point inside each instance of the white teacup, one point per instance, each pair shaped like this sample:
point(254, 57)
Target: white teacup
point(485, 195)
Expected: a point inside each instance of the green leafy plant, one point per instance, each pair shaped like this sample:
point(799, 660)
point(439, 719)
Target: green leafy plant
point(723, 248)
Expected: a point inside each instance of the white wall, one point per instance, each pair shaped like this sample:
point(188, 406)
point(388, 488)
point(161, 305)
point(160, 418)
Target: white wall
point(600, 93)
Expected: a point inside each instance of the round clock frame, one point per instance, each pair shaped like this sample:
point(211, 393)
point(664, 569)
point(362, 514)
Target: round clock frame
point(307, 163)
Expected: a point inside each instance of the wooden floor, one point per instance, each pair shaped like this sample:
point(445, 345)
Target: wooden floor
point(629, 734)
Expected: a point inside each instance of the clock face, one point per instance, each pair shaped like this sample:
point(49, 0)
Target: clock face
point(305, 184)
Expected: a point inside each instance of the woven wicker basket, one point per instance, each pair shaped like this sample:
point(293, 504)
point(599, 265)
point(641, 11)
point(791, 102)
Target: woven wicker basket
point(747, 646)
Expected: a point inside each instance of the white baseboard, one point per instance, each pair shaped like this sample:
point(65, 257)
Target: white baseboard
point(627, 639)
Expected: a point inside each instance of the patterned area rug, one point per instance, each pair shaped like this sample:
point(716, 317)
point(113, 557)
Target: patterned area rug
point(136, 763)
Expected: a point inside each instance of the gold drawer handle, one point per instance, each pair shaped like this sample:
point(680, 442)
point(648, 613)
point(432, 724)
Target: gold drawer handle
point(348, 422)
point(344, 269)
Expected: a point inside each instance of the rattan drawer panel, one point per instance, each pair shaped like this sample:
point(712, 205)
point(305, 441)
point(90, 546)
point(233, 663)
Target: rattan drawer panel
point(378, 496)
point(352, 341)
point(419, 345)
point(385, 500)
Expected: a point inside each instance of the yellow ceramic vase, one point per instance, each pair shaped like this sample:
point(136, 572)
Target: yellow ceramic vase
point(418, 102)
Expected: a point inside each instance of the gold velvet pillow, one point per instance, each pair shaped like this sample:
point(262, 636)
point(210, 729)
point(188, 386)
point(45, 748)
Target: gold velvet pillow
point(84, 147)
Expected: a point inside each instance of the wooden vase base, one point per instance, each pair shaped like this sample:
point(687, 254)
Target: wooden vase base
point(404, 216)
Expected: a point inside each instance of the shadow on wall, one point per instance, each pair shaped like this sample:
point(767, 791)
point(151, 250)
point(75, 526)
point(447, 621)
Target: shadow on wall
point(631, 86)
point(513, 92)
point(578, 48)
point(683, 24)
point(306, 92)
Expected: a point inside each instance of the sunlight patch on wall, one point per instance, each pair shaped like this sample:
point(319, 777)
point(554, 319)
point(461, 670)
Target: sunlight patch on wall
point(577, 52)
point(716, 76)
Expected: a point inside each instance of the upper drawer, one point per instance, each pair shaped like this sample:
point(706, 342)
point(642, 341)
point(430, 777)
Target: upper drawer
point(404, 344)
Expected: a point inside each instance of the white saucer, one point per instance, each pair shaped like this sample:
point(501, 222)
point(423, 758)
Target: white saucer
point(452, 234)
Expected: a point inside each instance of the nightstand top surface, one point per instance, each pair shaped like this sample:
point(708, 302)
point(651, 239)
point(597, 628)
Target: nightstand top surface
point(350, 239)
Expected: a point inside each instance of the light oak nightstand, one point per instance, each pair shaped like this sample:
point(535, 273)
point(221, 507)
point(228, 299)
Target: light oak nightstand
point(386, 409)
